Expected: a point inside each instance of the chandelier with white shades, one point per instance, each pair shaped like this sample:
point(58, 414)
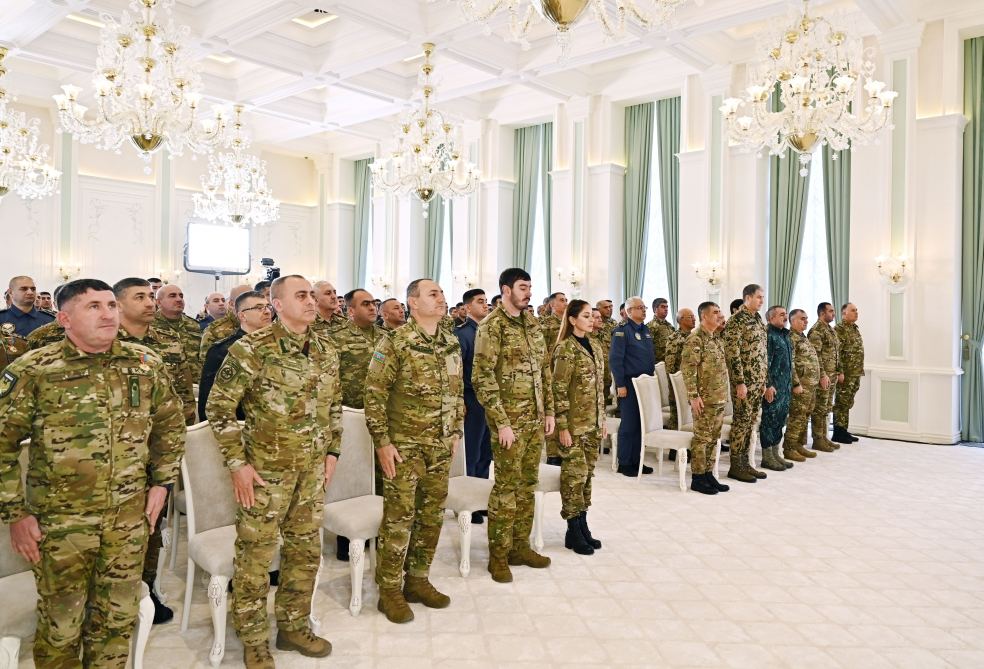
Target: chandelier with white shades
point(24, 168)
point(425, 161)
point(827, 94)
point(235, 190)
point(147, 87)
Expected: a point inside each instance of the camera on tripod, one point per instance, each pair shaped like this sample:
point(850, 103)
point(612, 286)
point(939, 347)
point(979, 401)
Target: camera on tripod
point(272, 272)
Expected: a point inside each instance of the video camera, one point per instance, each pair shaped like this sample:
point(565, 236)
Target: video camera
point(272, 272)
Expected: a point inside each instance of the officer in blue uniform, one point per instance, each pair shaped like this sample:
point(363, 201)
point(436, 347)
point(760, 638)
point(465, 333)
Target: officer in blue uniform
point(478, 447)
point(22, 314)
point(631, 355)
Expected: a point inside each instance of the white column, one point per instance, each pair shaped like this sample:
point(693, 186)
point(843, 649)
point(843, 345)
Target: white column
point(604, 200)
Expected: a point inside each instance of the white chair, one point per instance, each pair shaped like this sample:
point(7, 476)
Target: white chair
point(612, 423)
point(547, 481)
point(664, 390)
point(685, 417)
point(654, 437)
point(352, 509)
point(466, 494)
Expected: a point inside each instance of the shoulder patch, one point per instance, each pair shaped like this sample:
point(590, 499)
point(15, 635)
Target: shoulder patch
point(7, 382)
point(229, 371)
point(377, 355)
point(618, 333)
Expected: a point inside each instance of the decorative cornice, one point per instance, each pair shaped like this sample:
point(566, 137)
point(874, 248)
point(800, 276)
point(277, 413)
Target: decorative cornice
point(902, 41)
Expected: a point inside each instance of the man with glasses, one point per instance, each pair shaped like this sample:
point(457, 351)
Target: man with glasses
point(631, 355)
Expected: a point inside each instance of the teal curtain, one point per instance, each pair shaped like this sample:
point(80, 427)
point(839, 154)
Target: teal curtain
point(638, 163)
point(527, 151)
point(363, 207)
point(434, 238)
point(837, 208)
point(545, 205)
point(668, 148)
point(972, 289)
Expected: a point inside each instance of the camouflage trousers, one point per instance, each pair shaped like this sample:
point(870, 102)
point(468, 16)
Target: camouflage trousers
point(800, 408)
point(576, 471)
point(844, 401)
point(413, 512)
point(517, 470)
point(88, 584)
point(707, 432)
point(553, 446)
point(290, 505)
point(154, 545)
point(821, 409)
point(746, 413)
point(671, 423)
point(774, 415)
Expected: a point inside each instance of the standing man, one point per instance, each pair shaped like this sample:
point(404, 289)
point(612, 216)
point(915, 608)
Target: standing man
point(824, 341)
point(705, 373)
point(608, 325)
point(22, 314)
point(215, 308)
point(606, 307)
point(807, 366)
point(478, 442)
point(632, 354)
point(659, 328)
point(674, 355)
point(746, 350)
point(225, 326)
point(550, 324)
point(286, 378)
point(329, 319)
point(414, 412)
point(851, 347)
point(171, 316)
point(393, 314)
point(511, 376)
point(355, 342)
point(780, 381)
point(93, 488)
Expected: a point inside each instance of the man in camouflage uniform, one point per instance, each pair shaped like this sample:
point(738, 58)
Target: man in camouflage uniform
point(46, 334)
point(394, 317)
point(286, 377)
point(608, 325)
point(824, 341)
point(224, 327)
point(851, 347)
point(171, 316)
point(550, 325)
point(106, 438)
point(355, 342)
point(807, 366)
point(329, 319)
point(674, 357)
point(659, 328)
point(745, 349)
point(511, 377)
point(414, 411)
point(779, 385)
point(12, 345)
point(705, 373)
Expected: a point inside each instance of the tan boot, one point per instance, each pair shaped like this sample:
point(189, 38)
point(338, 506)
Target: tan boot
point(304, 642)
point(792, 454)
point(419, 590)
point(799, 448)
point(394, 606)
point(526, 556)
point(258, 657)
point(823, 445)
point(499, 568)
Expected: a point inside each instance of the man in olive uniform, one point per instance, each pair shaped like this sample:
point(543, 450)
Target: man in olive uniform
point(12, 345)
point(659, 328)
point(851, 347)
point(807, 366)
point(106, 438)
point(171, 316)
point(329, 319)
point(745, 349)
point(705, 373)
point(511, 377)
point(608, 325)
point(780, 380)
point(394, 316)
point(550, 325)
point(824, 341)
point(224, 327)
point(674, 356)
point(414, 411)
point(286, 377)
point(46, 334)
point(355, 342)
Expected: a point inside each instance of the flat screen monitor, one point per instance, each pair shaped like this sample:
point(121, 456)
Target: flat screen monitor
point(217, 249)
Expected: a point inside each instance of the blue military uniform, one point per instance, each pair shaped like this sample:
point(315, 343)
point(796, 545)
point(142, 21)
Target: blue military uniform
point(25, 322)
point(780, 377)
point(631, 355)
point(478, 445)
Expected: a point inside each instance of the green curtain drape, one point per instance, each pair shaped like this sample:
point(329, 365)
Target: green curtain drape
point(972, 288)
point(434, 238)
point(545, 204)
point(668, 147)
point(363, 206)
point(837, 209)
point(527, 151)
point(638, 162)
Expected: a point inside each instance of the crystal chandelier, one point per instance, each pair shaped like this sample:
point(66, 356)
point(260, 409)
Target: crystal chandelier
point(23, 159)
point(147, 87)
point(817, 72)
point(235, 188)
point(425, 161)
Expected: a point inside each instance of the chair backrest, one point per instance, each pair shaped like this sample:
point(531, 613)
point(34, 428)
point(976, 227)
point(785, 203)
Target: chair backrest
point(684, 415)
point(209, 498)
point(664, 384)
point(355, 473)
point(729, 407)
point(10, 562)
point(458, 463)
point(650, 409)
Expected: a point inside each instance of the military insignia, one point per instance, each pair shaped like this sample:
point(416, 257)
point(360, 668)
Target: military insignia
point(378, 356)
point(229, 371)
point(7, 382)
point(638, 336)
point(619, 334)
point(8, 329)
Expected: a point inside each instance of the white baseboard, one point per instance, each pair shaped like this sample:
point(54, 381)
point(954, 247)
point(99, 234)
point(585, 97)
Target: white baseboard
point(906, 435)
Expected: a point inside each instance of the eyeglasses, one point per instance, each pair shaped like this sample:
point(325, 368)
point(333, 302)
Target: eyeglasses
point(258, 307)
point(638, 306)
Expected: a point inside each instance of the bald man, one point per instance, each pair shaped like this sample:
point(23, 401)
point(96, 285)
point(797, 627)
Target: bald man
point(215, 308)
point(22, 314)
point(224, 327)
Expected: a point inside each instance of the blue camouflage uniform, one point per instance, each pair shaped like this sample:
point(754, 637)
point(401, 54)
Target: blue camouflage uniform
point(781, 376)
point(631, 355)
point(478, 444)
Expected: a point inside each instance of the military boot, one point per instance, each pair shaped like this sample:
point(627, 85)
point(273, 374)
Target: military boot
point(499, 568)
point(699, 484)
point(526, 556)
point(840, 436)
point(821, 444)
point(790, 453)
point(258, 657)
point(594, 543)
point(769, 460)
point(304, 642)
point(741, 473)
point(721, 487)
point(574, 539)
point(778, 453)
point(419, 590)
point(394, 606)
point(803, 452)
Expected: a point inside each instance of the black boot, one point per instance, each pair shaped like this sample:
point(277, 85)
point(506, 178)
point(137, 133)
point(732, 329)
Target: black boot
point(840, 435)
point(555, 460)
point(575, 540)
point(162, 614)
point(850, 436)
point(721, 487)
point(342, 549)
point(594, 543)
point(700, 484)
point(672, 457)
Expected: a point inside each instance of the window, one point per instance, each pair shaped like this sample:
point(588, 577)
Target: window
point(539, 272)
point(654, 279)
point(812, 283)
point(444, 280)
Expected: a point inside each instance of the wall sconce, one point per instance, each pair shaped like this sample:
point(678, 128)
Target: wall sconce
point(382, 282)
point(169, 276)
point(571, 276)
point(465, 278)
point(68, 272)
point(895, 271)
point(710, 273)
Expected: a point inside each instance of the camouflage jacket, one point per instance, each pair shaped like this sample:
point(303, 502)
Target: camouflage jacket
point(704, 367)
point(511, 370)
point(578, 386)
point(289, 388)
point(603, 342)
point(190, 333)
point(12, 345)
point(824, 342)
point(103, 428)
point(805, 361)
point(168, 347)
point(674, 350)
point(851, 348)
point(216, 331)
point(550, 325)
point(46, 334)
point(661, 332)
point(782, 372)
point(746, 350)
point(355, 346)
point(329, 326)
point(415, 388)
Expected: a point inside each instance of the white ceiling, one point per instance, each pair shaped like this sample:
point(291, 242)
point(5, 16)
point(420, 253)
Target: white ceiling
point(339, 85)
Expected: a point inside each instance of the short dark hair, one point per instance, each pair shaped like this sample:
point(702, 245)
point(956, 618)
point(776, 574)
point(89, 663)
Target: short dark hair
point(248, 295)
point(73, 289)
point(735, 305)
point(388, 299)
point(496, 300)
point(553, 296)
point(621, 306)
point(123, 285)
point(704, 306)
point(44, 292)
point(413, 288)
point(659, 301)
point(509, 277)
point(262, 285)
point(470, 295)
point(277, 283)
point(845, 306)
point(796, 312)
point(459, 305)
point(822, 307)
point(750, 290)
point(154, 279)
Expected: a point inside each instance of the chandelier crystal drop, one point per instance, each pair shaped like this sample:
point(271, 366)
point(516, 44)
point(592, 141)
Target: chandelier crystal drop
point(827, 94)
point(148, 88)
point(425, 161)
point(24, 168)
point(235, 190)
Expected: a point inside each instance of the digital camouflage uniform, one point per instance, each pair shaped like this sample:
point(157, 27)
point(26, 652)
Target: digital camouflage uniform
point(851, 347)
point(216, 331)
point(414, 401)
point(550, 325)
point(807, 366)
point(782, 377)
point(607, 328)
point(661, 331)
point(289, 389)
point(355, 346)
point(511, 377)
point(673, 362)
point(603, 342)
point(705, 372)
point(328, 326)
point(48, 333)
point(190, 333)
point(746, 352)
point(103, 428)
point(824, 341)
point(12, 345)
point(579, 405)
